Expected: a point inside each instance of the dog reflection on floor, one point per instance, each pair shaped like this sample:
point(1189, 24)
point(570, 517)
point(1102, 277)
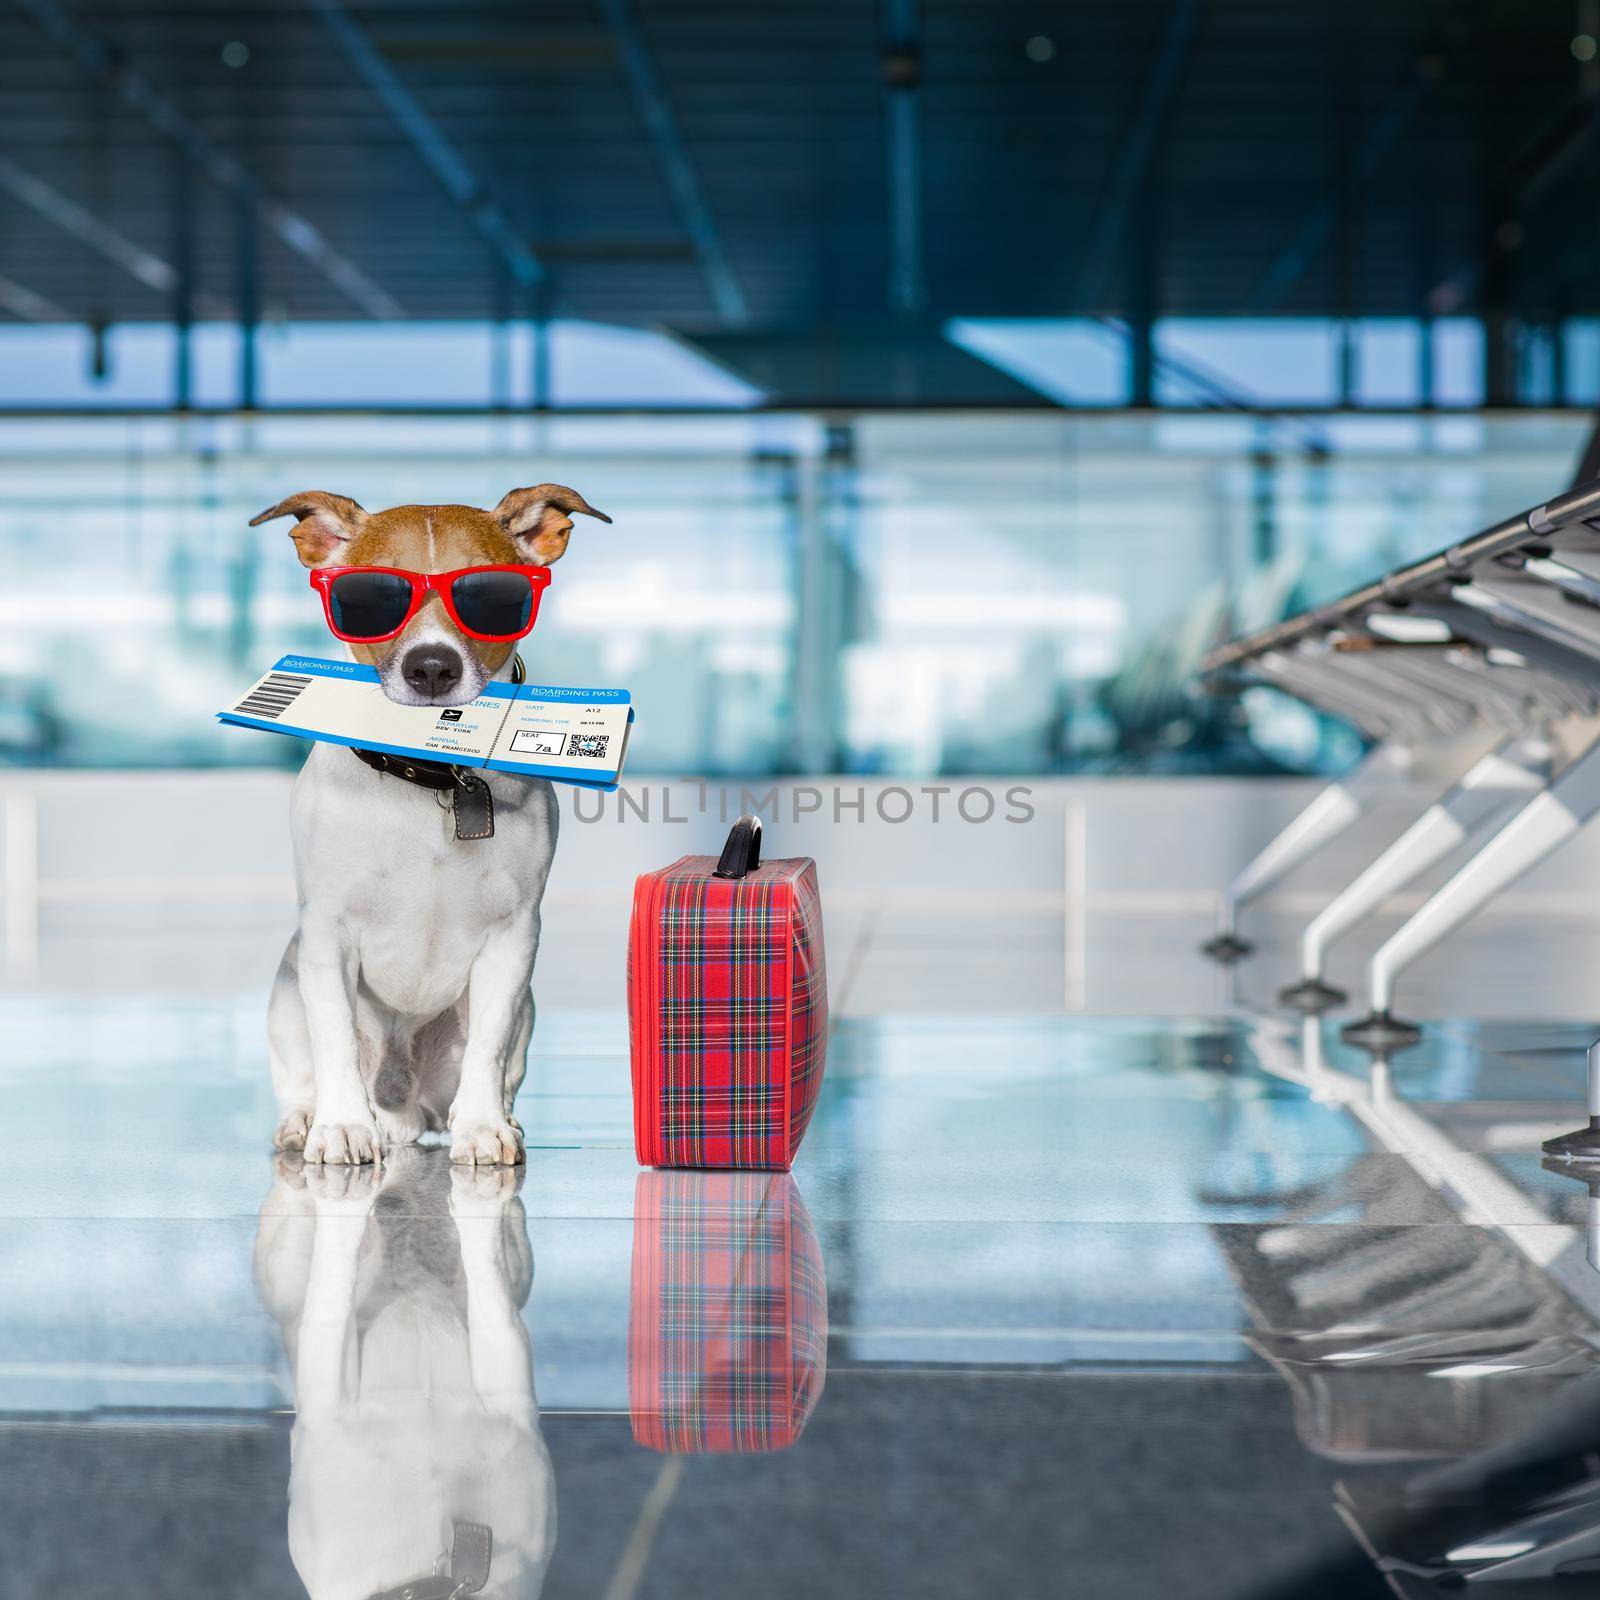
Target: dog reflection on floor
point(416, 1454)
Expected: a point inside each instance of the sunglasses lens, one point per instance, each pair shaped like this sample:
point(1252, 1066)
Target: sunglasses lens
point(494, 603)
point(368, 605)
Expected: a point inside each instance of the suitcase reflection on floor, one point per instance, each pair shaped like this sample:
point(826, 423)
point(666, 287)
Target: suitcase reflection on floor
point(417, 1463)
point(1449, 1370)
point(728, 1313)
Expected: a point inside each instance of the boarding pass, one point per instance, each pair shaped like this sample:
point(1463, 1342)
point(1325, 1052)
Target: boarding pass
point(534, 730)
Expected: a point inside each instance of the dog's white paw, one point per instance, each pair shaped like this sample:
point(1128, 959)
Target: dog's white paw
point(482, 1193)
point(343, 1143)
point(486, 1142)
point(292, 1131)
point(342, 1189)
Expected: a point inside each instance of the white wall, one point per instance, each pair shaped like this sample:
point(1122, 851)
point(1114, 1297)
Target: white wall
point(181, 883)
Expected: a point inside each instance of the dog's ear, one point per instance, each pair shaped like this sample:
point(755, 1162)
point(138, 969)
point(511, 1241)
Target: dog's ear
point(538, 519)
point(328, 522)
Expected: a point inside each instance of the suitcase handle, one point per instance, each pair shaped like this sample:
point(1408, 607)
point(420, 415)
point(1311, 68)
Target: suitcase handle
point(742, 852)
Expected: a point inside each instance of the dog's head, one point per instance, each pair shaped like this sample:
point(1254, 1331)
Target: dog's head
point(431, 662)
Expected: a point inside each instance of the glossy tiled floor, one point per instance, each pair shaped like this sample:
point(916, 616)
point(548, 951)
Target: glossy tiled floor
point(1196, 1307)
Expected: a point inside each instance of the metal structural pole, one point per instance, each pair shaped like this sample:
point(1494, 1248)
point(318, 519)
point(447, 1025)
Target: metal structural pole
point(249, 305)
point(1551, 818)
point(1134, 152)
point(441, 158)
point(826, 511)
point(1514, 770)
point(1321, 221)
point(119, 75)
point(539, 353)
point(183, 289)
point(500, 346)
point(1340, 805)
point(677, 170)
point(1584, 1145)
point(902, 71)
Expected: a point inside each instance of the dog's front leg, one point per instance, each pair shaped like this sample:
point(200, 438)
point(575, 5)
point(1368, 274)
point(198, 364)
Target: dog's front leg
point(344, 1129)
point(482, 1131)
point(344, 1202)
point(497, 1339)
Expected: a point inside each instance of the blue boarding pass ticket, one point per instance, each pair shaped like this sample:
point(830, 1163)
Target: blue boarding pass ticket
point(533, 730)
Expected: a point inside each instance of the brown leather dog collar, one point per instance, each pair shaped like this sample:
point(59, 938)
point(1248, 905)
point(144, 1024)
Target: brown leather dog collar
point(425, 774)
point(471, 800)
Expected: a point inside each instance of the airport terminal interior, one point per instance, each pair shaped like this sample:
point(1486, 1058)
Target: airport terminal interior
point(1114, 485)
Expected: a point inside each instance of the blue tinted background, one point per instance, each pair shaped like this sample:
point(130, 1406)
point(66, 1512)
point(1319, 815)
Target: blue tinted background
point(915, 592)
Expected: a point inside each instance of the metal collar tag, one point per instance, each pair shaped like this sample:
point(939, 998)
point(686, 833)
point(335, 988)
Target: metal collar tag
point(474, 807)
point(470, 800)
point(470, 1555)
point(471, 1550)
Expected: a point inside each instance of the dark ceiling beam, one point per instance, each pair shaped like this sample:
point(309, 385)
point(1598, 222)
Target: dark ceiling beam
point(1319, 224)
point(1105, 239)
point(1549, 154)
point(48, 202)
point(1128, 180)
point(105, 63)
point(458, 180)
point(683, 182)
point(26, 306)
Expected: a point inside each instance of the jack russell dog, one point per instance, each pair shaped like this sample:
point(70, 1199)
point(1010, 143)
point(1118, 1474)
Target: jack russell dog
point(417, 1465)
point(403, 1003)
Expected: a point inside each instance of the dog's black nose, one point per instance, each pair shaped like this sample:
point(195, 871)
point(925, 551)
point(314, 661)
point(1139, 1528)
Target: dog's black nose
point(432, 669)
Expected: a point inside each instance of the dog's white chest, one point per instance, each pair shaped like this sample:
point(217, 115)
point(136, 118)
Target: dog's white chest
point(381, 857)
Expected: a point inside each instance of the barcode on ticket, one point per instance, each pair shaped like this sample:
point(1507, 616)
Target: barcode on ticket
point(271, 697)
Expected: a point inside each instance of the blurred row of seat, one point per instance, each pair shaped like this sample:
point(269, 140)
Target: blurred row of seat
point(1475, 677)
point(1436, 1331)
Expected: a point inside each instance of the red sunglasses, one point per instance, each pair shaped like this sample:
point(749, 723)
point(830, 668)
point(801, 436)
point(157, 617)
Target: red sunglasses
point(366, 604)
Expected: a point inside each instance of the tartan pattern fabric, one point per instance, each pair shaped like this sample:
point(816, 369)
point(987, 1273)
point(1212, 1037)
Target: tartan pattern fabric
point(808, 1003)
point(728, 1313)
point(728, 1010)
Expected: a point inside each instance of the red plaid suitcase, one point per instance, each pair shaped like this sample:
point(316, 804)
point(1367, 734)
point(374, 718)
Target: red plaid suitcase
point(727, 1007)
point(727, 1313)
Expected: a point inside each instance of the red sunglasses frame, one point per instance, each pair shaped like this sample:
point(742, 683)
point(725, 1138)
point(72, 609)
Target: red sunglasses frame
point(422, 585)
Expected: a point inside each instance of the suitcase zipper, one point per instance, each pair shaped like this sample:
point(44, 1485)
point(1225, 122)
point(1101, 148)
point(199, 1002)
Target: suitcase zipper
point(787, 1149)
point(638, 937)
point(657, 1037)
point(648, 1110)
